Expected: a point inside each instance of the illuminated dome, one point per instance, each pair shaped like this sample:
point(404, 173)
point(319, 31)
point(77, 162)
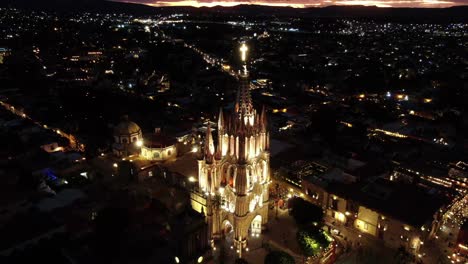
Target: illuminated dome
point(126, 136)
point(126, 127)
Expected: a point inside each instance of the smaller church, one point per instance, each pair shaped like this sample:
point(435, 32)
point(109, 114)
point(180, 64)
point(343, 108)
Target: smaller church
point(158, 146)
point(127, 137)
point(129, 140)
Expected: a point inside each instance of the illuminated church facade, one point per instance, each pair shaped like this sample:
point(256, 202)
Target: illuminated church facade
point(234, 176)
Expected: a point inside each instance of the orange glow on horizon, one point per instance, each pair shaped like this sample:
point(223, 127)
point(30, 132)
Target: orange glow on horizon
point(301, 3)
point(195, 3)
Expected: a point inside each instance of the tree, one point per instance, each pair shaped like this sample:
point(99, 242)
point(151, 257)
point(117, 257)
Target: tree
point(303, 212)
point(312, 240)
point(278, 257)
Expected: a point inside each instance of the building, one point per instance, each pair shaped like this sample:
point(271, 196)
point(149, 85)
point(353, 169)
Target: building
point(129, 140)
point(397, 213)
point(4, 52)
point(127, 137)
point(233, 177)
point(454, 180)
point(462, 243)
point(158, 147)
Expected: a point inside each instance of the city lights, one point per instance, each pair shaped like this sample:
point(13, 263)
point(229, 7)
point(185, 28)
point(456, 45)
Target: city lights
point(347, 129)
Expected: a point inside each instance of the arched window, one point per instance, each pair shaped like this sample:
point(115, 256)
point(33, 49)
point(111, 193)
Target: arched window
point(250, 177)
point(124, 140)
point(223, 181)
point(252, 204)
point(231, 176)
point(156, 155)
point(134, 139)
point(224, 174)
point(256, 226)
point(169, 153)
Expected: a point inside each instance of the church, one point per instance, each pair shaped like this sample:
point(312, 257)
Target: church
point(234, 176)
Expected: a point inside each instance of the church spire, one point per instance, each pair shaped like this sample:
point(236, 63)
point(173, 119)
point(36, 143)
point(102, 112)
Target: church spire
point(221, 120)
point(209, 144)
point(224, 170)
point(263, 120)
point(244, 106)
point(218, 154)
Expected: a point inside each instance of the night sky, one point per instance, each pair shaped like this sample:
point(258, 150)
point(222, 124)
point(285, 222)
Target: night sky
point(305, 3)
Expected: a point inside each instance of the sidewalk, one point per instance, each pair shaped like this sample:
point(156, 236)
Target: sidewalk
point(359, 248)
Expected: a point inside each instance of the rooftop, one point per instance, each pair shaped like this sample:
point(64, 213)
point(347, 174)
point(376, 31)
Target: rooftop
point(405, 202)
point(158, 140)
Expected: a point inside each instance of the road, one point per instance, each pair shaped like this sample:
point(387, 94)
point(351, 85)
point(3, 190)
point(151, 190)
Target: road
point(209, 59)
point(73, 142)
point(214, 62)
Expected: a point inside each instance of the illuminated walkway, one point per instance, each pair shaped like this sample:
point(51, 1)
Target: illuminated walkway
point(73, 142)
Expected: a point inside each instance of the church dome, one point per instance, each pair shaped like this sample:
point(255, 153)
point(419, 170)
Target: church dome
point(126, 127)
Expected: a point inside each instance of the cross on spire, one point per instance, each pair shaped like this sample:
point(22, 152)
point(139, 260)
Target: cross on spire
point(243, 49)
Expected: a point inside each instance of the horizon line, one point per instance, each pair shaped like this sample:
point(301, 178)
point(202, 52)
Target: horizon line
point(434, 4)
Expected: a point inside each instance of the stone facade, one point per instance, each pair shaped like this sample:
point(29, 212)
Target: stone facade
point(234, 176)
point(159, 154)
point(392, 231)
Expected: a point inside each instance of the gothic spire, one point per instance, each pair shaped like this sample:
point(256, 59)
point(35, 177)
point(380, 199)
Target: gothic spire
point(221, 120)
point(209, 144)
point(218, 155)
point(263, 119)
point(244, 106)
point(244, 99)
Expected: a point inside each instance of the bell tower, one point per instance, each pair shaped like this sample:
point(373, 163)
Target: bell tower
point(235, 175)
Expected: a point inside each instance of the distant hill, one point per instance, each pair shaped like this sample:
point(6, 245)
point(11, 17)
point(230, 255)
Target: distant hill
point(458, 13)
point(79, 6)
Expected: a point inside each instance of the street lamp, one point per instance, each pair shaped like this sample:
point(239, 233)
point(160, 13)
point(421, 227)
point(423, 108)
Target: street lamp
point(139, 143)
